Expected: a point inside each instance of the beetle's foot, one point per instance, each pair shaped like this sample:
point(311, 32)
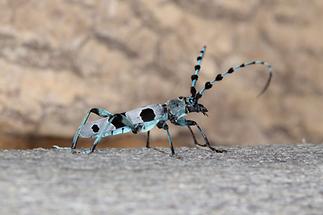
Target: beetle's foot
point(87, 152)
point(218, 150)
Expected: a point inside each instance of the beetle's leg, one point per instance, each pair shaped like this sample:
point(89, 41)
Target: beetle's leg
point(98, 111)
point(185, 122)
point(163, 125)
point(205, 137)
point(100, 135)
point(194, 138)
point(148, 142)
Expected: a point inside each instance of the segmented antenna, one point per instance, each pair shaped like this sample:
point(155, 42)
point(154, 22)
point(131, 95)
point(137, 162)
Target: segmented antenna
point(221, 76)
point(197, 68)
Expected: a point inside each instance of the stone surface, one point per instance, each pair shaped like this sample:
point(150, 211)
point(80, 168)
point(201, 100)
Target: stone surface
point(267, 179)
point(60, 58)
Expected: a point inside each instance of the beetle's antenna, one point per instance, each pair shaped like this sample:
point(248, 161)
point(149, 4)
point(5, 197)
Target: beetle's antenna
point(197, 68)
point(221, 76)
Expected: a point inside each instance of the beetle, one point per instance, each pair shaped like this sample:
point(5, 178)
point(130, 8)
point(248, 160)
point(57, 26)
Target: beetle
point(145, 118)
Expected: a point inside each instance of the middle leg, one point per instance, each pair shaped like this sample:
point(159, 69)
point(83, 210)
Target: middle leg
point(148, 140)
point(163, 125)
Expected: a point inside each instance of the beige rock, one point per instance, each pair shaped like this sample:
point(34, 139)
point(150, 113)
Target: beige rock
point(60, 58)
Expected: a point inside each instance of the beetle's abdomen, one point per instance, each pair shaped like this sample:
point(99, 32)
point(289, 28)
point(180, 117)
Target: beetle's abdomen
point(146, 117)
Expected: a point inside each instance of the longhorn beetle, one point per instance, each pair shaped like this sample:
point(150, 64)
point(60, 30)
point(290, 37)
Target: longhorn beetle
point(145, 118)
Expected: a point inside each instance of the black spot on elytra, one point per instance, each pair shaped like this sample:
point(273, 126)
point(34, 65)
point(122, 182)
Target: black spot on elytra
point(231, 70)
point(253, 62)
point(194, 77)
point(219, 77)
point(199, 58)
point(197, 67)
point(147, 115)
point(95, 128)
point(117, 121)
point(242, 65)
point(208, 85)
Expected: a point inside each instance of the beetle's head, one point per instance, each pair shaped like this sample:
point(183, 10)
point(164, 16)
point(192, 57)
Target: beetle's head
point(192, 105)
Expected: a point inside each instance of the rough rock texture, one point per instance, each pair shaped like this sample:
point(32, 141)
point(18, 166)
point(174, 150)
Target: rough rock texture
point(272, 179)
point(59, 58)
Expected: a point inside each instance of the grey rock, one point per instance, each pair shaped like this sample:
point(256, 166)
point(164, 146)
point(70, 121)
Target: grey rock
point(265, 179)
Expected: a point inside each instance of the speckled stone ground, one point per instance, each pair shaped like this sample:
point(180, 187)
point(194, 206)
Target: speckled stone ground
point(267, 179)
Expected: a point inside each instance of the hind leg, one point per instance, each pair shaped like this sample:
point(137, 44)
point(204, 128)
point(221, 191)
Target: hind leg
point(98, 111)
point(100, 135)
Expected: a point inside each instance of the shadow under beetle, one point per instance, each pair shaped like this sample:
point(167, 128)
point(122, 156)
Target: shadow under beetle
point(145, 118)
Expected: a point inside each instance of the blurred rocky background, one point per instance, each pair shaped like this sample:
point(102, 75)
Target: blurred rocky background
point(59, 58)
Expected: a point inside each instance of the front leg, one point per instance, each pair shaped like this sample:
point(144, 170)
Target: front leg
point(185, 122)
point(98, 111)
point(194, 138)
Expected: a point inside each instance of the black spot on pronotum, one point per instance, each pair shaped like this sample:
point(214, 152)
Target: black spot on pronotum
point(242, 65)
point(253, 62)
point(231, 70)
point(95, 128)
point(147, 115)
point(194, 77)
point(199, 58)
point(117, 121)
point(164, 108)
point(219, 77)
point(193, 91)
point(208, 85)
point(197, 67)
